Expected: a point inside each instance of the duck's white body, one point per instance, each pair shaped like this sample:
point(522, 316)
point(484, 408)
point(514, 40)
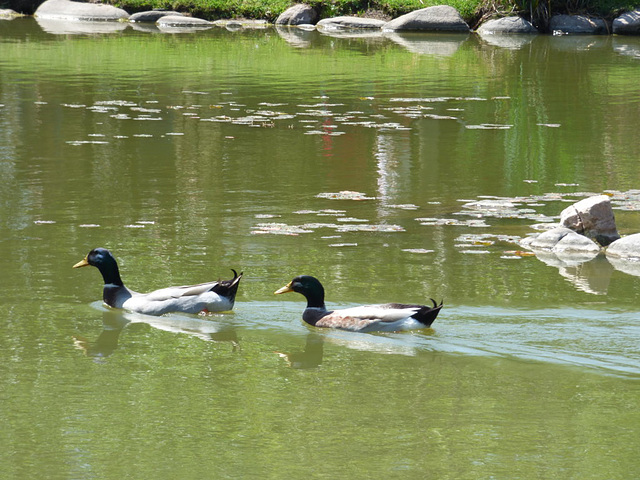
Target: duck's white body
point(204, 297)
point(186, 299)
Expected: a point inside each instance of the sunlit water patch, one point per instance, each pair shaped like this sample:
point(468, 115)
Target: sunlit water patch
point(602, 340)
point(593, 339)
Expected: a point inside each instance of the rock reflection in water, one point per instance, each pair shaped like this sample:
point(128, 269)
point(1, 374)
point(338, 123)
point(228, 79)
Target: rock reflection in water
point(295, 36)
point(145, 27)
point(629, 267)
point(77, 27)
point(590, 273)
point(573, 43)
point(626, 47)
point(368, 34)
point(445, 45)
point(508, 41)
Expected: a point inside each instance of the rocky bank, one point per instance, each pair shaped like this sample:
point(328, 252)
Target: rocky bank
point(440, 18)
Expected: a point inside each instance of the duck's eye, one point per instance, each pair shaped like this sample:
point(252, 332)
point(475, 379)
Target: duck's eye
point(94, 255)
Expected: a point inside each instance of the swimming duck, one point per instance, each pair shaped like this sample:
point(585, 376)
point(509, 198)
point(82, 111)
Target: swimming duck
point(205, 297)
point(389, 317)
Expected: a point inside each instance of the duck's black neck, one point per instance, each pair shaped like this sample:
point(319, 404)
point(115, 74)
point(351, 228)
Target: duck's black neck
point(113, 286)
point(315, 300)
point(111, 274)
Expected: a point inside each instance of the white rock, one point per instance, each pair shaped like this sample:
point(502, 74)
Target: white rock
point(627, 248)
point(571, 24)
point(151, 15)
point(575, 243)
point(350, 23)
point(627, 24)
point(506, 25)
point(549, 239)
point(441, 18)
point(67, 10)
point(298, 14)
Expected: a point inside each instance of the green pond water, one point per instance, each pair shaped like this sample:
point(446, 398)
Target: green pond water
point(393, 168)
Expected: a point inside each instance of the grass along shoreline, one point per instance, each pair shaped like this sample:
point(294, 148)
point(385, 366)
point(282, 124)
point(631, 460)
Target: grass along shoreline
point(472, 11)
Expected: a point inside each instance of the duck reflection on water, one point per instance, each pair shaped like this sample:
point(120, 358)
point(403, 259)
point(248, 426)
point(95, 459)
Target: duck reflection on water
point(310, 357)
point(114, 321)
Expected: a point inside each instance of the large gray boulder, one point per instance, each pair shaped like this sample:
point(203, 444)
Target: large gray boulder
point(352, 23)
point(575, 243)
point(592, 217)
point(627, 248)
point(152, 16)
point(506, 25)
point(545, 240)
point(577, 24)
point(68, 10)
point(627, 23)
point(298, 14)
point(624, 254)
point(562, 240)
point(441, 18)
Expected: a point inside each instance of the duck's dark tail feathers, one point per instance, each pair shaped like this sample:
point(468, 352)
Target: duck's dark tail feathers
point(228, 288)
point(427, 315)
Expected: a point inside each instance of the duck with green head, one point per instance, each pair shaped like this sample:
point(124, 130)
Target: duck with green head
point(205, 297)
point(388, 317)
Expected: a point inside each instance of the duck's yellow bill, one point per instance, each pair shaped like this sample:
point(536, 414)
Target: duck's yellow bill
point(287, 288)
point(82, 263)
